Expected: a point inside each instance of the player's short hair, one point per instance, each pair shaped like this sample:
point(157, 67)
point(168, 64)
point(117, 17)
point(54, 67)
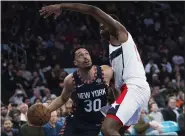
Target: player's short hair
point(74, 51)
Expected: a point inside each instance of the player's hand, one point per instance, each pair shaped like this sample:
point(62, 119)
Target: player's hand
point(51, 9)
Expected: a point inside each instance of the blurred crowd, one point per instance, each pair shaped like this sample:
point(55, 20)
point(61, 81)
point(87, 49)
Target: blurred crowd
point(157, 28)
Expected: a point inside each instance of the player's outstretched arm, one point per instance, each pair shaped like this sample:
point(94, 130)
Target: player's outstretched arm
point(65, 95)
point(96, 12)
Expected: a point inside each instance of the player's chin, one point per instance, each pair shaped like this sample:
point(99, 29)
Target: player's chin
point(88, 66)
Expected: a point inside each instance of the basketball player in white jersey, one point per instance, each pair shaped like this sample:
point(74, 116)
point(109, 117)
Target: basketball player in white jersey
point(129, 73)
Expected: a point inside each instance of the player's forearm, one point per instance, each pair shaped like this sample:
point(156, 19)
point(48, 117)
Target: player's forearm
point(57, 103)
point(83, 8)
point(96, 12)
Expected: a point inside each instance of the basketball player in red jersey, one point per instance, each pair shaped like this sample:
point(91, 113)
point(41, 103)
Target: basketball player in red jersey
point(129, 73)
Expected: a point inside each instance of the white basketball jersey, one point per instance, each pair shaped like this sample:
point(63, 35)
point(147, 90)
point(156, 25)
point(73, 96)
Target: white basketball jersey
point(126, 64)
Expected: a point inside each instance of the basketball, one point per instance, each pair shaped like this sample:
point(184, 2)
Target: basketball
point(38, 115)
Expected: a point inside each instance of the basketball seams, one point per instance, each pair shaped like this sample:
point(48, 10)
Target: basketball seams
point(38, 115)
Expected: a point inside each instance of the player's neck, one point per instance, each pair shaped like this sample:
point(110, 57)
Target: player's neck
point(87, 74)
point(114, 41)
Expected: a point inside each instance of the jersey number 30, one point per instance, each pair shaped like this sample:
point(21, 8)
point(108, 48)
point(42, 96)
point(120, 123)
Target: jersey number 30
point(93, 105)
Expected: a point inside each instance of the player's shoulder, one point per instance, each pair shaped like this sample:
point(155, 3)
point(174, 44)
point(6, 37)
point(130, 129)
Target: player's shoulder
point(107, 70)
point(105, 67)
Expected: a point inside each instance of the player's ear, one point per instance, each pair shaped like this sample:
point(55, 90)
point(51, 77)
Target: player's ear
point(75, 63)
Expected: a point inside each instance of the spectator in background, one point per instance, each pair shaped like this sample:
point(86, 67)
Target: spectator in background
point(181, 122)
point(37, 100)
point(151, 100)
point(26, 74)
point(155, 79)
point(56, 71)
point(2, 120)
point(53, 127)
point(163, 75)
point(36, 94)
point(7, 129)
point(16, 118)
point(53, 78)
point(148, 126)
point(48, 95)
point(36, 81)
point(166, 64)
point(65, 110)
point(20, 80)
point(171, 113)
point(180, 99)
point(159, 99)
point(151, 68)
point(145, 126)
point(26, 100)
point(12, 106)
point(148, 21)
point(155, 113)
point(62, 76)
point(4, 110)
point(178, 60)
point(18, 96)
point(29, 130)
point(24, 109)
point(69, 106)
point(9, 75)
point(48, 101)
point(59, 116)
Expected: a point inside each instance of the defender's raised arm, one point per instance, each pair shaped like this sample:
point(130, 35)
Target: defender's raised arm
point(96, 12)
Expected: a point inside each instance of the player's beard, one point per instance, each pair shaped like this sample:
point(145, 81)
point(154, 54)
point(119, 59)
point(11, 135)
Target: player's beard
point(88, 67)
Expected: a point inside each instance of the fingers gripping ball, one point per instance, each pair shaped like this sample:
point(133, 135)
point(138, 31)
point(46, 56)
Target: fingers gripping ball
point(38, 115)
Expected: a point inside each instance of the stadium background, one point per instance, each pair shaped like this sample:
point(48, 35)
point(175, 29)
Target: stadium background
point(35, 52)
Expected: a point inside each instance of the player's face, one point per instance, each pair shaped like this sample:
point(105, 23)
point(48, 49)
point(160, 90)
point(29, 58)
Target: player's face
point(104, 32)
point(83, 59)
